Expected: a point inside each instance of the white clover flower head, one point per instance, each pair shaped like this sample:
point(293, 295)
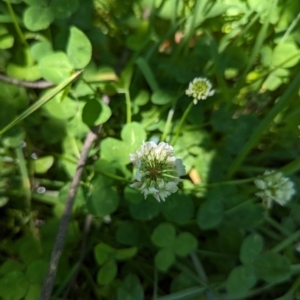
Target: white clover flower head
point(200, 89)
point(274, 186)
point(158, 170)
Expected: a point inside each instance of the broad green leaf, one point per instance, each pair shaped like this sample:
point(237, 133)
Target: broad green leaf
point(13, 286)
point(34, 292)
point(133, 195)
point(240, 280)
point(285, 55)
point(115, 151)
point(64, 9)
point(11, 265)
point(79, 48)
point(61, 108)
point(30, 250)
point(163, 235)
point(210, 213)
point(95, 112)
point(251, 248)
point(108, 272)
point(272, 267)
point(41, 49)
point(142, 98)
point(37, 271)
point(53, 125)
point(178, 208)
point(103, 199)
point(55, 67)
point(145, 210)
point(246, 216)
point(103, 253)
point(79, 199)
point(164, 258)
point(48, 96)
point(43, 164)
point(38, 17)
point(3, 201)
point(6, 39)
point(134, 135)
point(29, 73)
point(162, 97)
point(124, 254)
point(130, 289)
point(129, 234)
point(184, 244)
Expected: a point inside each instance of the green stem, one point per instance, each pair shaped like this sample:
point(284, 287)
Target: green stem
point(26, 186)
point(186, 112)
point(169, 121)
point(128, 107)
point(282, 102)
point(293, 237)
point(16, 24)
point(292, 167)
point(277, 226)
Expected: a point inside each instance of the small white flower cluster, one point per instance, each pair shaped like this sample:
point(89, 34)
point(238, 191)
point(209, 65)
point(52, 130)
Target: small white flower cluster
point(200, 89)
point(274, 187)
point(158, 170)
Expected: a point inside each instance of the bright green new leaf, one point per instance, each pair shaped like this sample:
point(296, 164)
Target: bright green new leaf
point(162, 97)
point(134, 135)
point(108, 272)
point(43, 164)
point(251, 248)
point(79, 48)
point(163, 235)
point(29, 73)
point(115, 151)
point(285, 55)
point(41, 49)
point(61, 109)
point(55, 67)
point(240, 280)
point(38, 17)
point(184, 244)
point(6, 39)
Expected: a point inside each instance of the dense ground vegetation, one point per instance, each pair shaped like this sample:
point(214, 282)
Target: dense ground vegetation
point(121, 69)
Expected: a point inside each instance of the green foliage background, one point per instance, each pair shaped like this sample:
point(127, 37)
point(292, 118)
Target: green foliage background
point(213, 239)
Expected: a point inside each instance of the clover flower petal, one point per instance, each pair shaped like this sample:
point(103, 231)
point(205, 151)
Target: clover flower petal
point(158, 170)
point(200, 89)
point(274, 187)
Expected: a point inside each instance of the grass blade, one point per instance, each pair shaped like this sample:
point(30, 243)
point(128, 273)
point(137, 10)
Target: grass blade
point(41, 101)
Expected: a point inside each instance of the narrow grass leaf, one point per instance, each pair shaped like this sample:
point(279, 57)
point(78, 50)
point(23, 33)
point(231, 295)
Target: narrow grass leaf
point(41, 101)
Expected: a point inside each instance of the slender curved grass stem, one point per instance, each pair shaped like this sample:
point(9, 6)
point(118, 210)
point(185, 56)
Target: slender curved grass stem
point(178, 131)
point(128, 107)
point(16, 24)
point(169, 121)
